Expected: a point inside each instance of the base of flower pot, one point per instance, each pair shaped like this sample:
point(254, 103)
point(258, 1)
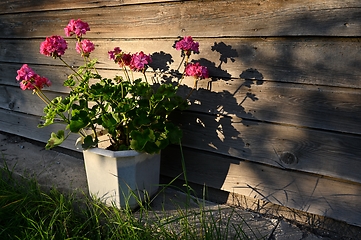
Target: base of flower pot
point(121, 178)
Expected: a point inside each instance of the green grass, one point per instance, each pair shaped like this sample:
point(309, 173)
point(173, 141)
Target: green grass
point(27, 212)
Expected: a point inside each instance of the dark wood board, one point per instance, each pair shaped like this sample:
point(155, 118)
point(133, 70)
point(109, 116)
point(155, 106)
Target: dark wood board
point(198, 18)
point(307, 192)
point(330, 62)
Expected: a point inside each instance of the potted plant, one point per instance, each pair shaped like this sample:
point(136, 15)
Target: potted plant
point(128, 117)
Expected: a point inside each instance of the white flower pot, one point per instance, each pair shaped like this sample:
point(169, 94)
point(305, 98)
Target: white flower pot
point(116, 176)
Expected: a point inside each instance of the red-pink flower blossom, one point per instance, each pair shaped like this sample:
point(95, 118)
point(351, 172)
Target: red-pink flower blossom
point(53, 46)
point(113, 54)
point(187, 45)
point(30, 80)
point(25, 73)
point(139, 61)
point(85, 47)
point(41, 82)
point(118, 56)
point(77, 27)
point(196, 70)
point(126, 59)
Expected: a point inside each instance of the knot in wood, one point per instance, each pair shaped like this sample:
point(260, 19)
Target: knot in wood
point(288, 158)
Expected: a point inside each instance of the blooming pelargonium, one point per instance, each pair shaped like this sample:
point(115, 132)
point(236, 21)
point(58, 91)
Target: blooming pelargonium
point(140, 61)
point(77, 27)
point(196, 70)
point(53, 46)
point(85, 47)
point(30, 80)
point(118, 56)
point(187, 44)
point(115, 54)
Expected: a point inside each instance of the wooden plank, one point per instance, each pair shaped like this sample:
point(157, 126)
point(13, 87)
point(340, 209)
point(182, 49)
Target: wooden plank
point(302, 149)
point(312, 193)
point(25, 125)
point(13, 98)
point(299, 105)
point(326, 108)
point(18, 6)
point(332, 62)
point(197, 18)
point(56, 74)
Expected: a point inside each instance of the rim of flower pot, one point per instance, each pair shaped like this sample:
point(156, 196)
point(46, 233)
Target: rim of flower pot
point(115, 154)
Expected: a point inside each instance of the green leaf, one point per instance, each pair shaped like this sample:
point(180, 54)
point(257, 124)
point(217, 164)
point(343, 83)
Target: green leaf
point(140, 139)
point(70, 82)
point(55, 139)
point(174, 133)
point(109, 122)
point(141, 119)
point(162, 142)
point(89, 142)
point(79, 120)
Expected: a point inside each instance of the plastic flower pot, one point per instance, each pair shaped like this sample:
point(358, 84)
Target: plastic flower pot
point(121, 178)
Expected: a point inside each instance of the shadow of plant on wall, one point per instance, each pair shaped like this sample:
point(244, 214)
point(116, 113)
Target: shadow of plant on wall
point(212, 121)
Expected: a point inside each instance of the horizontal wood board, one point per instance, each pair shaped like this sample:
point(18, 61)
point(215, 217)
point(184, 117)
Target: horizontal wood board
point(302, 191)
point(19, 6)
point(323, 61)
point(25, 125)
point(170, 19)
point(297, 105)
point(284, 97)
point(313, 151)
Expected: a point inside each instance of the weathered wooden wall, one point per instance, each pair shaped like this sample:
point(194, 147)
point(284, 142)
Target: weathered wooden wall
point(280, 118)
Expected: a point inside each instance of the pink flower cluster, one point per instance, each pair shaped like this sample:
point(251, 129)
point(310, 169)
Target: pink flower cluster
point(140, 61)
point(30, 80)
point(85, 47)
point(196, 70)
point(187, 45)
point(77, 27)
point(53, 46)
point(137, 61)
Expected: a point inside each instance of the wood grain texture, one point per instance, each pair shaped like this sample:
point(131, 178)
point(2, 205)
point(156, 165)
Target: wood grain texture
point(197, 18)
point(293, 189)
point(25, 125)
point(19, 6)
point(325, 108)
point(314, 151)
point(320, 152)
point(305, 61)
point(279, 118)
point(306, 192)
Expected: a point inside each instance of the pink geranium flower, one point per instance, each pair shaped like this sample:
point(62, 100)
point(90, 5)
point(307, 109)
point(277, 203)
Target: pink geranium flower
point(30, 80)
point(77, 27)
point(113, 54)
point(123, 59)
point(187, 45)
point(85, 47)
point(25, 73)
point(139, 61)
point(41, 82)
point(126, 59)
point(196, 70)
point(53, 46)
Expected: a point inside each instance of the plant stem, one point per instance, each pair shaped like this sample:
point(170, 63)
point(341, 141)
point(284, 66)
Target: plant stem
point(185, 173)
point(181, 62)
point(66, 64)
